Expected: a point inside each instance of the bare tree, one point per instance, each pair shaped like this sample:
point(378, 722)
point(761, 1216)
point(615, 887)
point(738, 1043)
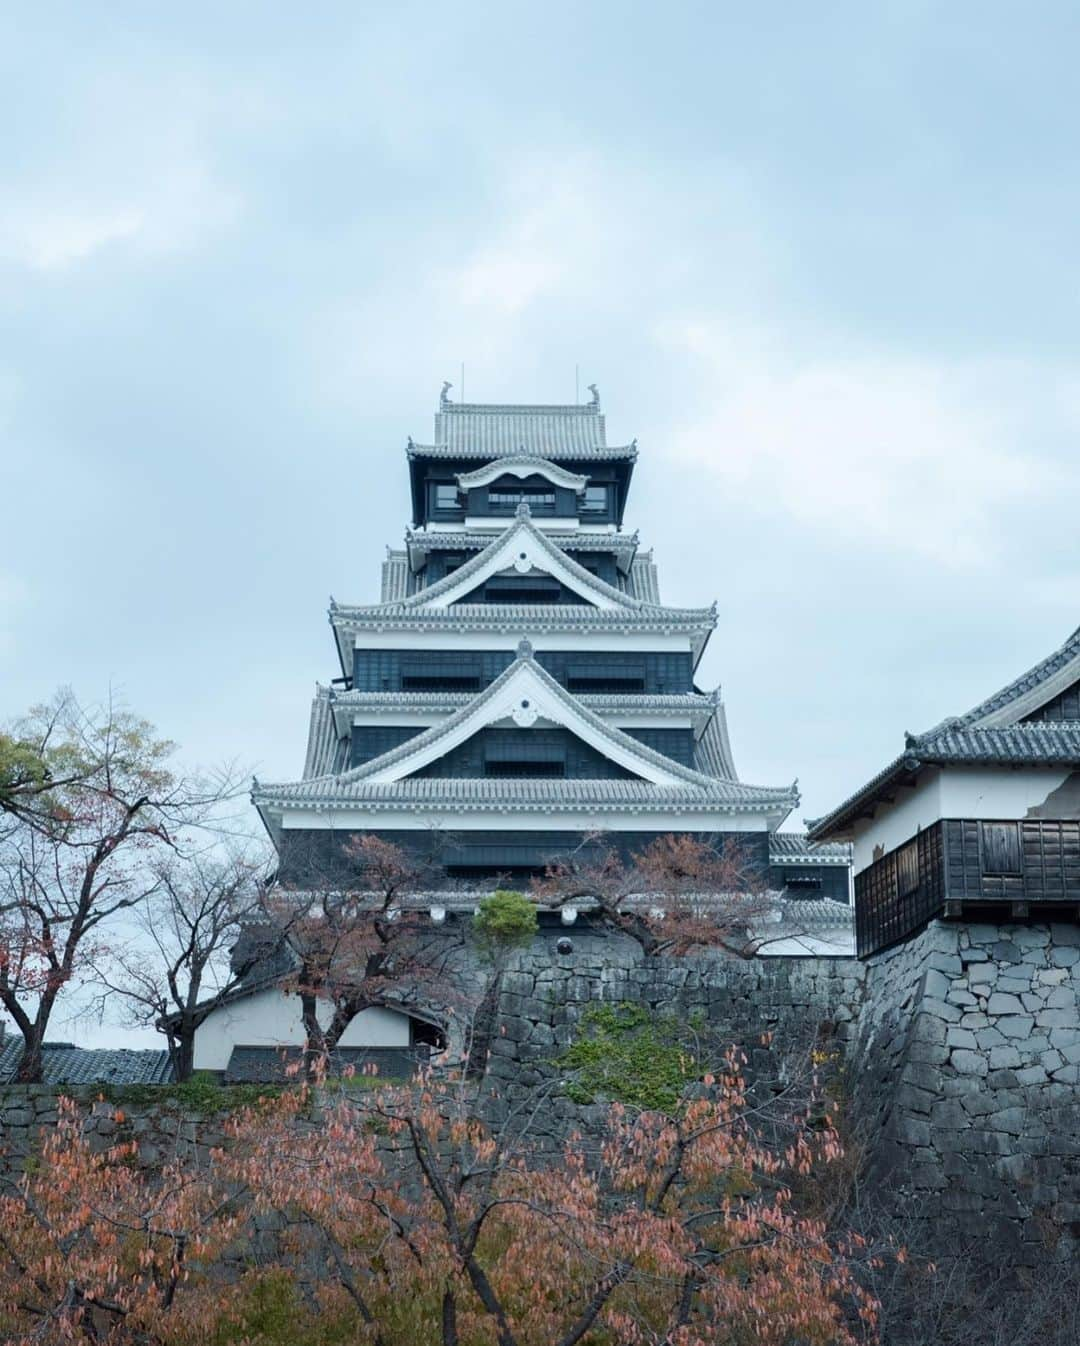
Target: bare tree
point(197, 940)
point(84, 836)
point(364, 941)
point(679, 893)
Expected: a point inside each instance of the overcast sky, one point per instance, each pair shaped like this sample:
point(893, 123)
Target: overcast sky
point(821, 260)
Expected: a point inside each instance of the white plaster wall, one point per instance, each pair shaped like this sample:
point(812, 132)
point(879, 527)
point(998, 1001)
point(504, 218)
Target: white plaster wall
point(271, 1018)
point(893, 824)
point(955, 792)
point(839, 943)
point(982, 792)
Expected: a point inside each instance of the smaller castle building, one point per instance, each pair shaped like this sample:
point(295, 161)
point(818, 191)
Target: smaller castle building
point(978, 817)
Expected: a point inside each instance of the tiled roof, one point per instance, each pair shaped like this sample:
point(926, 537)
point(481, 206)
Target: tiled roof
point(420, 794)
point(325, 750)
point(523, 617)
point(1027, 692)
point(472, 539)
point(491, 693)
point(1038, 744)
point(793, 914)
point(644, 583)
point(397, 577)
point(712, 752)
point(269, 1065)
point(1014, 745)
point(482, 430)
point(786, 846)
point(64, 1063)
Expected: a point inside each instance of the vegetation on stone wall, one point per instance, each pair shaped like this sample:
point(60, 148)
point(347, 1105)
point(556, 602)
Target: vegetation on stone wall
point(628, 1054)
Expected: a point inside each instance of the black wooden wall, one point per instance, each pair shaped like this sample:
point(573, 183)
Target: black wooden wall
point(977, 864)
point(533, 751)
point(311, 857)
point(472, 670)
point(370, 741)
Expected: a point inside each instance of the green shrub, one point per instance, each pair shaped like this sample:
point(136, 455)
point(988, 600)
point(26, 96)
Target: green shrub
point(503, 922)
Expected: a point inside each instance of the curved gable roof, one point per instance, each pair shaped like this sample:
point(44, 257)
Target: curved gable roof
point(525, 547)
point(1027, 693)
point(524, 692)
point(522, 465)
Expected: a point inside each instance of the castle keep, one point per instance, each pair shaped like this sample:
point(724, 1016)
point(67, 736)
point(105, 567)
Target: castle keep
point(520, 686)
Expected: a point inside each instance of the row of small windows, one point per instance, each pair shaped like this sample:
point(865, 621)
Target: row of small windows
point(505, 496)
point(535, 497)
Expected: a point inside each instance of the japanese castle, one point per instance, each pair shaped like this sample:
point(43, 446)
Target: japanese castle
point(520, 687)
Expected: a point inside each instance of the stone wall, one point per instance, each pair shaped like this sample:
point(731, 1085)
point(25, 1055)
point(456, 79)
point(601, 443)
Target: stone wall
point(544, 995)
point(162, 1126)
point(967, 1062)
point(962, 1049)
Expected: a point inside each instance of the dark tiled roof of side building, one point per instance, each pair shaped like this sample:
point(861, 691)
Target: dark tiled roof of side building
point(951, 744)
point(64, 1063)
point(797, 846)
point(269, 1065)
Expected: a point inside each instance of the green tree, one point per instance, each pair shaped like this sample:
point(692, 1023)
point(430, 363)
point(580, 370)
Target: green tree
point(504, 921)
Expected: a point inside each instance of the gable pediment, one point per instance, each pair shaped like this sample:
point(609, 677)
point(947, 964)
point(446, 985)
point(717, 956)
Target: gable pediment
point(1048, 691)
point(523, 698)
point(521, 550)
point(521, 466)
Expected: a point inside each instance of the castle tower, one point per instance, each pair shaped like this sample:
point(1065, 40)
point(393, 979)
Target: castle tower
point(520, 685)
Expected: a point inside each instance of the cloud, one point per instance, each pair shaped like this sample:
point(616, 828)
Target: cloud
point(884, 452)
point(121, 169)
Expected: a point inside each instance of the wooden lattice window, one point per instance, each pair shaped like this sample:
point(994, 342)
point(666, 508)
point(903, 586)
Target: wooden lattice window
point(1001, 848)
point(907, 869)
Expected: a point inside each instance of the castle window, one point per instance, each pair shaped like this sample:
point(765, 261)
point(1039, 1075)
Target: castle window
point(446, 495)
point(524, 756)
point(501, 768)
point(523, 589)
point(509, 497)
point(606, 677)
point(595, 500)
point(1001, 848)
point(441, 673)
point(804, 882)
point(907, 869)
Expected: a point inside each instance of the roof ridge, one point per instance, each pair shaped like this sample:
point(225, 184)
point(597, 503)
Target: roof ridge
point(1059, 665)
point(545, 408)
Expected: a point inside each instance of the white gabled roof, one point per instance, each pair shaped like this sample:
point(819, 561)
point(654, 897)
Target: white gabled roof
point(1026, 694)
point(523, 694)
point(522, 547)
point(522, 465)
point(387, 782)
